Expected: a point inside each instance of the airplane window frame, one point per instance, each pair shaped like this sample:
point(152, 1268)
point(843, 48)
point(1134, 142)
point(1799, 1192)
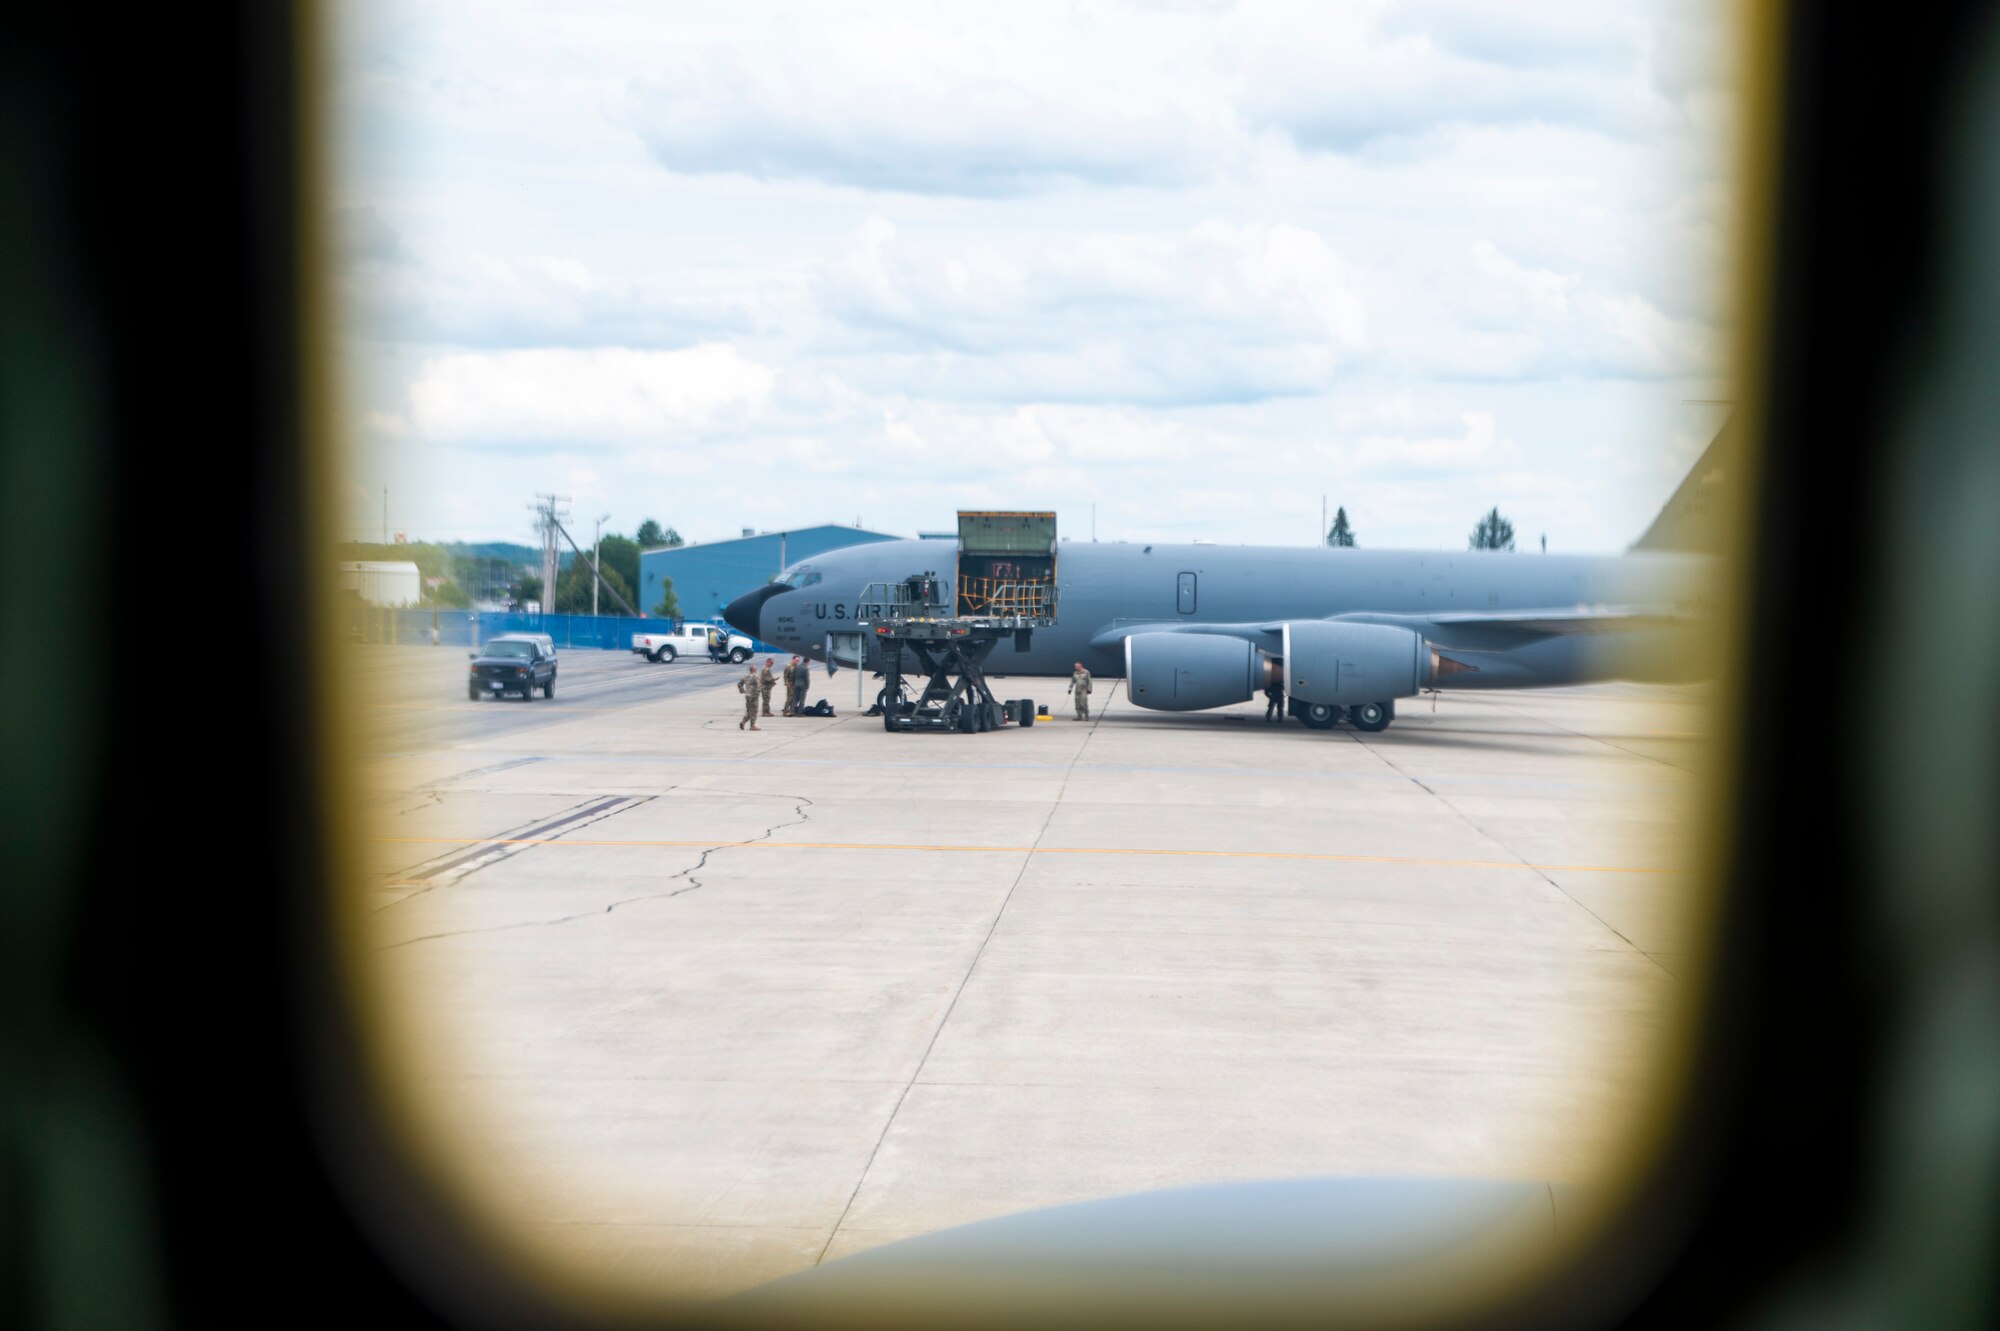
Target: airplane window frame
point(190, 1044)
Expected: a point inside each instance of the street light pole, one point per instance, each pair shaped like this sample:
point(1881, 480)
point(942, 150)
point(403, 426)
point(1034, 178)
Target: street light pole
point(597, 563)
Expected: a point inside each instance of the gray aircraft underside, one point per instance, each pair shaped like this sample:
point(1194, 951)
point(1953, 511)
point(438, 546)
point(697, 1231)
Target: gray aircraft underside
point(1197, 626)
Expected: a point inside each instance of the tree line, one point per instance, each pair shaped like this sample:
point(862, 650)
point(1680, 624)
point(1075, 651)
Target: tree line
point(1491, 532)
point(453, 575)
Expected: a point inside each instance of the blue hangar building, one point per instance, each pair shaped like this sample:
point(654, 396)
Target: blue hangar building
point(710, 575)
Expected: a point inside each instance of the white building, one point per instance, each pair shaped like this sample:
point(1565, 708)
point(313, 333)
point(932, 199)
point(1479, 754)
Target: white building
point(382, 583)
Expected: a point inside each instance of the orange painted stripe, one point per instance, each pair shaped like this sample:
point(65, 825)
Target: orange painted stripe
point(1014, 850)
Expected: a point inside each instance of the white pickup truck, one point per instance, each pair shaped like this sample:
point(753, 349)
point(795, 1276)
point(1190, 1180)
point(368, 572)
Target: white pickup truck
point(699, 641)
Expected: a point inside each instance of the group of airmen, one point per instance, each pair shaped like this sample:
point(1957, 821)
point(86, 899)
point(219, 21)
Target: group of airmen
point(756, 686)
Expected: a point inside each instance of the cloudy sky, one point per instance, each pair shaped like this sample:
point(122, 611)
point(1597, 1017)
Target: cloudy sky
point(1197, 264)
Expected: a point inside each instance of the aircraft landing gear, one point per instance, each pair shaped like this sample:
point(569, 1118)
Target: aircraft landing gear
point(1371, 716)
point(1316, 715)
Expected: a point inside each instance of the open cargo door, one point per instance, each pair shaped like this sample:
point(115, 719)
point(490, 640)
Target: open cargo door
point(1006, 565)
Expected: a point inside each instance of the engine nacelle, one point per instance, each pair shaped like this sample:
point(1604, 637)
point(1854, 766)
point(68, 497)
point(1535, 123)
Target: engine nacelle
point(1344, 664)
point(1186, 672)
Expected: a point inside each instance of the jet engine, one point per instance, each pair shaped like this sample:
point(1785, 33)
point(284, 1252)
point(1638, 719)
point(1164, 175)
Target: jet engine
point(1185, 672)
point(1345, 664)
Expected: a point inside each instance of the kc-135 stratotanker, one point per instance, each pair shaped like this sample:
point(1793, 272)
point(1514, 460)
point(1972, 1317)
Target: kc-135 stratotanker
point(1343, 632)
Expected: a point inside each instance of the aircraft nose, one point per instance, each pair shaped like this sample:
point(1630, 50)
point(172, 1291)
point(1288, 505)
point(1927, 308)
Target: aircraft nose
point(746, 612)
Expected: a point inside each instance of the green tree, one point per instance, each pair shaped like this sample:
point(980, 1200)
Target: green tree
point(670, 601)
point(621, 554)
point(652, 536)
point(447, 594)
point(573, 589)
point(1339, 533)
point(525, 593)
point(1493, 533)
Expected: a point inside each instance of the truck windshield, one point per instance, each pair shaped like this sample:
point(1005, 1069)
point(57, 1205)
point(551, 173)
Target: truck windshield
point(510, 649)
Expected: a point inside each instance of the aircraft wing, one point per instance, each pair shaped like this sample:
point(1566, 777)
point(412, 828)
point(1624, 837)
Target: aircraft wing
point(1474, 630)
point(1266, 633)
point(1528, 623)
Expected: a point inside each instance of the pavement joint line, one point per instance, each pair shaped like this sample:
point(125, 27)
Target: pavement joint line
point(1540, 871)
point(1599, 739)
point(923, 1061)
point(1032, 850)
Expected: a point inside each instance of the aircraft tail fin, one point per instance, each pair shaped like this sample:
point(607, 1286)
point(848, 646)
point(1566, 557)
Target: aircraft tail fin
point(1691, 519)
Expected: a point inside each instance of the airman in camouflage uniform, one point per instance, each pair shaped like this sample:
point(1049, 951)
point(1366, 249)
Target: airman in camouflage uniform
point(801, 684)
point(766, 681)
point(748, 687)
point(1079, 688)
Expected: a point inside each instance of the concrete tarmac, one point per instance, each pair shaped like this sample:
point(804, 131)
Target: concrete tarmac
point(697, 1007)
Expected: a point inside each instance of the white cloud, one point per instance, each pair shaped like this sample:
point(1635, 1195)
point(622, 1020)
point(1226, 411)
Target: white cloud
point(1220, 312)
point(604, 394)
point(1193, 262)
point(1476, 446)
point(489, 300)
point(972, 99)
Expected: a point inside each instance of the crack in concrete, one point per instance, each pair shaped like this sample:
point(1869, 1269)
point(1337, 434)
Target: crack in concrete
point(800, 804)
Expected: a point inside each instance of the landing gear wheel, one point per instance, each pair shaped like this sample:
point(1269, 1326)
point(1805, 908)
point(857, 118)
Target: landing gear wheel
point(1371, 716)
point(1317, 715)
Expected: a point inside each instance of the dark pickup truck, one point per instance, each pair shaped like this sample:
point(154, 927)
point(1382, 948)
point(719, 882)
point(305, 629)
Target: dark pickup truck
point(510, 664)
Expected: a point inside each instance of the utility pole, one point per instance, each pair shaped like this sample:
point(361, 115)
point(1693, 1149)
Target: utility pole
point(597, 562)
point(548, 519)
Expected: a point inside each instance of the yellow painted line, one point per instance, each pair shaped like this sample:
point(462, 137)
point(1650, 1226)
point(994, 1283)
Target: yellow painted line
point(1013, 850)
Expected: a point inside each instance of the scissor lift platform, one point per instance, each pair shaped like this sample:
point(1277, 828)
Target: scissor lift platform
point(1004, 588)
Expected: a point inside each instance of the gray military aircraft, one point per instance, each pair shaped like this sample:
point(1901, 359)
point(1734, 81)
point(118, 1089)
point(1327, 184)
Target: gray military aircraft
point(1343, 632)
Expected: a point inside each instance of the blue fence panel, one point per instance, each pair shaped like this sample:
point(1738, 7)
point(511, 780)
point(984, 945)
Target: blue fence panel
point(470, 628)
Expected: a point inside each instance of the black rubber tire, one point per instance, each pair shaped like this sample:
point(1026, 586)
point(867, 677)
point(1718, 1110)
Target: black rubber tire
point(665, 655)
point(1317, 715)
point(889, 720)
point(739, 656)
point(549, 689)
point(1028, 711)
point(1370, 717)
point(472, 695)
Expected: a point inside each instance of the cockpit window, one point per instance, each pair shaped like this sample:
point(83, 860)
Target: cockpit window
point(804, 577)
